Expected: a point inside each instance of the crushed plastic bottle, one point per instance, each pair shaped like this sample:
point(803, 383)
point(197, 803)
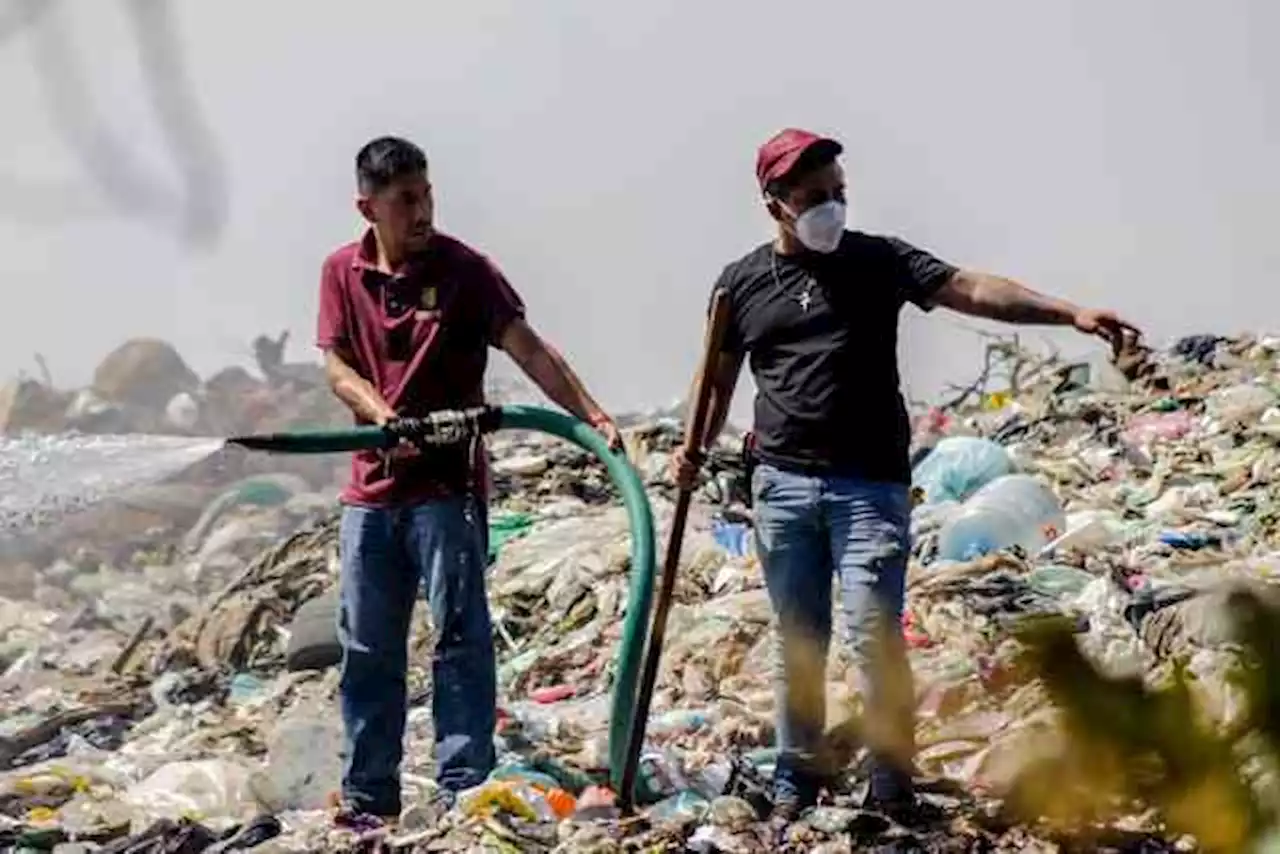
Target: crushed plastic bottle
point(1013, 510)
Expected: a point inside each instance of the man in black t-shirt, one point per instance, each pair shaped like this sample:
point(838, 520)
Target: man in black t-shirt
point(815, 311)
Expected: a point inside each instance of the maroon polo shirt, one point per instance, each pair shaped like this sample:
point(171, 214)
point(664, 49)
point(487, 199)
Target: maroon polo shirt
point(421, 337)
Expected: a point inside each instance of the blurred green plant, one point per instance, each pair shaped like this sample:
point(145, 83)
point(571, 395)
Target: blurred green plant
point(1125, 742)
point(1126, 747)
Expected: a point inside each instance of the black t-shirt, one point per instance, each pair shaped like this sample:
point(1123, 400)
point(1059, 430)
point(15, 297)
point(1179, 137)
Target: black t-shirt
point(821, 336)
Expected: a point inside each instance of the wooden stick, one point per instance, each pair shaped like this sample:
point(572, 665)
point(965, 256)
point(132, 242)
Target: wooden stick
point(719, 319)
point(13, 746)
point(122, 660)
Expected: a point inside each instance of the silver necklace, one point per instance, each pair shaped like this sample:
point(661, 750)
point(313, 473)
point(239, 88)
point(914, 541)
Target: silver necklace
point(806, 298)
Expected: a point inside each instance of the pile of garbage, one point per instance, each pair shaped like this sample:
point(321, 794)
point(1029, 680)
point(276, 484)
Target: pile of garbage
point(167, 683)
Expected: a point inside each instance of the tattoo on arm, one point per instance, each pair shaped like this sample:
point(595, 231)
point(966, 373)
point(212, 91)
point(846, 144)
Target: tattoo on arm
point(998, 298)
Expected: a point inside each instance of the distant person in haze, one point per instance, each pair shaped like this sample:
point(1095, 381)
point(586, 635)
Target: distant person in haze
point(407, 315)
point(815, 311)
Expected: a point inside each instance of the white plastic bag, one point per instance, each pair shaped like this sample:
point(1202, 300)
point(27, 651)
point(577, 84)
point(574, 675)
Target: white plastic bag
point(204, 788)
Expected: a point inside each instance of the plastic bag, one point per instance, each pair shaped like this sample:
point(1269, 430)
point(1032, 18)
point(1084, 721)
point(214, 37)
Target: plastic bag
point(733, 537)
point(958, 467)
point(1158, 426)
point(1058, 581)
point(304, 764)
point(201, 789)
point(518, 798)
point(686, 806)
point(1014, 510)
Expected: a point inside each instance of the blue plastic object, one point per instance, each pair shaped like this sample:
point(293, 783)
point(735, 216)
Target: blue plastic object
point(958, 467)
point(733, 537)
point(1014, 510)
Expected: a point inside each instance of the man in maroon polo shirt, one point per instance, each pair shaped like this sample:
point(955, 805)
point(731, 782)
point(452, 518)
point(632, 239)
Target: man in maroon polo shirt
point(407, 315)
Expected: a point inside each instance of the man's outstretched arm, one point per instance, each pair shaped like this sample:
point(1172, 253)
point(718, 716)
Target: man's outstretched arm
point(550, 372)
point(997, 298)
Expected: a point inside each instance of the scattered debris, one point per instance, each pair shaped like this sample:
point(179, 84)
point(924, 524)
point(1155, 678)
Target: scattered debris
point(161, 674)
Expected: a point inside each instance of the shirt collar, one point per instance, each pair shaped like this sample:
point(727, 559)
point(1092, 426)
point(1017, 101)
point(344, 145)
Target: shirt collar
point(365, 257)
point(366, 254)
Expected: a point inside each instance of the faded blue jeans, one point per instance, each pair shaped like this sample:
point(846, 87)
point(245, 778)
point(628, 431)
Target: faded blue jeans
point(811, 530)
point(387, 556)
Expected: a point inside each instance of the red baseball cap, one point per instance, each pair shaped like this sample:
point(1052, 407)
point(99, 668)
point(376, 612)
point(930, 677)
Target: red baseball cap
point(779, 155)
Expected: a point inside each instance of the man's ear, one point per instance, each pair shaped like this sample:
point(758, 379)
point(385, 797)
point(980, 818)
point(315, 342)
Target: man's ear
point(365, 206)
point(774, 207)
point(777, 210)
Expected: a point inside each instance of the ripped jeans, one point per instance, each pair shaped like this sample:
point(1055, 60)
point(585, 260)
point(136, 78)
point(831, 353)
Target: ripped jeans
point(389, 556)
point(809, 531)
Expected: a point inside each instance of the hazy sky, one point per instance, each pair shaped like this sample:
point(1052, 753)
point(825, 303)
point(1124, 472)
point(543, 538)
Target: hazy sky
point(1118, 153)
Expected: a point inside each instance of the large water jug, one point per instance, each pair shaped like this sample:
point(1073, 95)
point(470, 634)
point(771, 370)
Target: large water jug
point(1013, 510)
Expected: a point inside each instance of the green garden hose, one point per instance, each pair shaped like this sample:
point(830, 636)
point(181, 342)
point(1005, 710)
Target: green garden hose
point(640, 516)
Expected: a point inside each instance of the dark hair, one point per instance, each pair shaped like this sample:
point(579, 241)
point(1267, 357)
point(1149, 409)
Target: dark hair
point(815, 158)
point(385, 159)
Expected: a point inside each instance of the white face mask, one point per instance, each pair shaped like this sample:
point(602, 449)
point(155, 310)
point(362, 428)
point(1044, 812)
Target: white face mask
point(821, 226)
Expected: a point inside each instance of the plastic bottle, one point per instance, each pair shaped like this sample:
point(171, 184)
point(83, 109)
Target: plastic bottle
point(1013, 510)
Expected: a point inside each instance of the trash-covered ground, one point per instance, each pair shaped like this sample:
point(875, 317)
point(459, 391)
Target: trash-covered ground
point(160, 690)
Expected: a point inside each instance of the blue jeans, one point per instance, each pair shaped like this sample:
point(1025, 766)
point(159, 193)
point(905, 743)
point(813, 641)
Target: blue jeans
point(809, 530)
point(387, 555)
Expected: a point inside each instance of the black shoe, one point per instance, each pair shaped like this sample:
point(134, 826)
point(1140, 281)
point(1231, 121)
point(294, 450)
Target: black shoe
point(891, 792)
point(788, 808)
point(901, 809)
point(430, 811)
point(792, 799)
point(358, 821)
